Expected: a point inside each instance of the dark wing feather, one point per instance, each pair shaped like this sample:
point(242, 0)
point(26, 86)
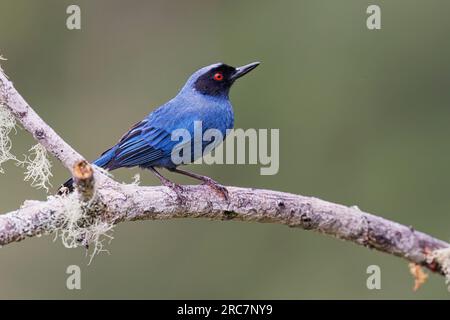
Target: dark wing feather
point(140, 146)
point(135, 129)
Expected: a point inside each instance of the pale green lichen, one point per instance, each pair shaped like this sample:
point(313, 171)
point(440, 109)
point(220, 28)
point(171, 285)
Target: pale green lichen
point(7, 125)
point(79, 228)
point(136, 179)
point(38, 168)
point(99, 233)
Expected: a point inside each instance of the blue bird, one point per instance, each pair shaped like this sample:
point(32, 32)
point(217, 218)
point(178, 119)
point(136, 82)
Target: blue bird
point(148, 144)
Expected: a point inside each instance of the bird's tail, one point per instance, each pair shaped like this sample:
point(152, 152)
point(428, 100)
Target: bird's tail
point(104, 162)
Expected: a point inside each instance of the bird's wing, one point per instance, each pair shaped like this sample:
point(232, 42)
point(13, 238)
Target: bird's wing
point(141, 145)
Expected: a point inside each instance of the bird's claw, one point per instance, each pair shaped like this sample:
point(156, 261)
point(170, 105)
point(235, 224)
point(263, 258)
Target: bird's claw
point(220, 189)
point(179, 191)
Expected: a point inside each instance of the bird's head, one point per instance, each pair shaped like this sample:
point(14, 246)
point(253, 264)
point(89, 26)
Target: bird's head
point(217, 79)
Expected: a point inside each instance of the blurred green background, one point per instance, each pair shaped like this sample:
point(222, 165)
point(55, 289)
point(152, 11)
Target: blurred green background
point(363, 118)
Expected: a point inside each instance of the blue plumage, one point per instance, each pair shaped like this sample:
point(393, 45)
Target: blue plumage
point(148, 144)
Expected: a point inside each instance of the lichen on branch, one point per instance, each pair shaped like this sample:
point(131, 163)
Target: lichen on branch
point(38, 167)
point(79, 225)
point(7, 126)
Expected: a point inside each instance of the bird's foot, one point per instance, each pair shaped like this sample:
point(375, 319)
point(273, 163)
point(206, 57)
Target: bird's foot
point(217, 187)
point(179, 190)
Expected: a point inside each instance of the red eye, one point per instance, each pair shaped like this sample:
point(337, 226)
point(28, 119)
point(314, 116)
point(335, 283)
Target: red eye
point(218, 76)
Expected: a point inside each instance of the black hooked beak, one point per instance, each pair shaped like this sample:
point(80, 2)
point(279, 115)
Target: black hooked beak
point(240, 71)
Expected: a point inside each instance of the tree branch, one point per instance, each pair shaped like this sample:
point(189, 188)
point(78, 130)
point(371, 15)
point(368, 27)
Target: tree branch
point(131, 202)
point(30, 120)
point(119, 202)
